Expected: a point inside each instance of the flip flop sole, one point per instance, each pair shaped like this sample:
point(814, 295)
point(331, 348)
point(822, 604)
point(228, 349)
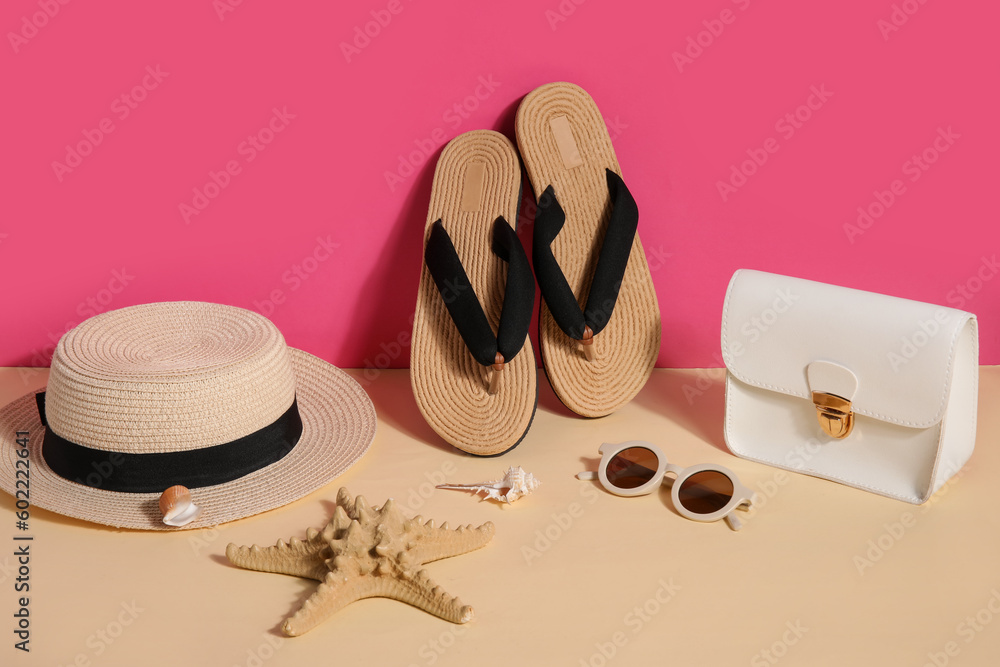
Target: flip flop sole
point(564, 142)
point(477, 179)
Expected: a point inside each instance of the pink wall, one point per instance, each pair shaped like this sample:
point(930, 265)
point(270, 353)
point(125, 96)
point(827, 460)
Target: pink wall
point(167, 93)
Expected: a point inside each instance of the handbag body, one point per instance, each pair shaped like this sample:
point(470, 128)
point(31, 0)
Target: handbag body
point(876, 392)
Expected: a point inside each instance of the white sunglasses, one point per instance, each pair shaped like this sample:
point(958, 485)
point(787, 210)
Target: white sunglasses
point(705, 492)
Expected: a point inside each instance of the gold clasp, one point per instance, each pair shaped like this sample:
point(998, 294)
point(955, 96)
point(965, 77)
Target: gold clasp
point(834, 414)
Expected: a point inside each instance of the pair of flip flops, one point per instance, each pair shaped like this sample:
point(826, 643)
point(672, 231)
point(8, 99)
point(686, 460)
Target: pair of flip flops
point(472, 365)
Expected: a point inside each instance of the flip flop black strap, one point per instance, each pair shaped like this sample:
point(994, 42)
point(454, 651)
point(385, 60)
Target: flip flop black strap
point(463, 304)
point(611, 261)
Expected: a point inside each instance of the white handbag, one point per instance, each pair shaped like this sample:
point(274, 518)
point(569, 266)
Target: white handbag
point(869, 390)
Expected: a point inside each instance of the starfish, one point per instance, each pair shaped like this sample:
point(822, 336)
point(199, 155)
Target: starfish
point(366, 552)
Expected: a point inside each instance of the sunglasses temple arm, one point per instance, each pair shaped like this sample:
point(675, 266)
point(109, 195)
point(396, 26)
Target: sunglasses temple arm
point(745, 506)
point(587, 475)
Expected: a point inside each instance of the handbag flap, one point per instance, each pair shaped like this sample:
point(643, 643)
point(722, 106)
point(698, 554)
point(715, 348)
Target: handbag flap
point(901, 351)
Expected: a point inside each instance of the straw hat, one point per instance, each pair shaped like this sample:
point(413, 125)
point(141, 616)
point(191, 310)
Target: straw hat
point(198, 394)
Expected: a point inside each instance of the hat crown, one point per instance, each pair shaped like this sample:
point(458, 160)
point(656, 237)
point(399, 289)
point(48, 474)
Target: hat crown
point(168, 377)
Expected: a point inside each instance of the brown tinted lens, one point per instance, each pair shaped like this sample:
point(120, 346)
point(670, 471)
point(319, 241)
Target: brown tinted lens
point(632, 467)
point(705, 492)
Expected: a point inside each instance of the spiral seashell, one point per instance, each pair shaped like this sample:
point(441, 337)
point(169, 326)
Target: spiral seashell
point(177, 507)
point(516, 483)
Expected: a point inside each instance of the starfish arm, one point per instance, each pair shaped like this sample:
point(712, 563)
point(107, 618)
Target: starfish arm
point(334, 593)
point(337, 591)
point(301, 559)
point(437, 543)
point(421, 592)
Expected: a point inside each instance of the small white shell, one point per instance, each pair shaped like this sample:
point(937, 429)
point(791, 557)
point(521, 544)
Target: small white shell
point(176, 506)
point(516, 482)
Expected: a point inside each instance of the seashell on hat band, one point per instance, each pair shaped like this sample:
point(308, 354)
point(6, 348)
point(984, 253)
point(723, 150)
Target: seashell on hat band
point(195, 394)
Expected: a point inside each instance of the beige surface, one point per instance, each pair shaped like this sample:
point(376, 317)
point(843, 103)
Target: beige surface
point(555, 600)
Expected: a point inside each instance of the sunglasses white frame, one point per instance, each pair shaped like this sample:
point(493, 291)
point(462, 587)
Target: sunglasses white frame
point(742, 499)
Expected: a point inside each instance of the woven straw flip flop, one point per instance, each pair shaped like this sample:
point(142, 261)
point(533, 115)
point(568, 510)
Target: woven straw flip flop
point(471, 365)
point(599, 329)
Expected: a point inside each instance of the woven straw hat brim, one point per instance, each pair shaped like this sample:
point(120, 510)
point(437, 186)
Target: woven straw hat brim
point(449, 385)
point(627, 348)
point(338, 426)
